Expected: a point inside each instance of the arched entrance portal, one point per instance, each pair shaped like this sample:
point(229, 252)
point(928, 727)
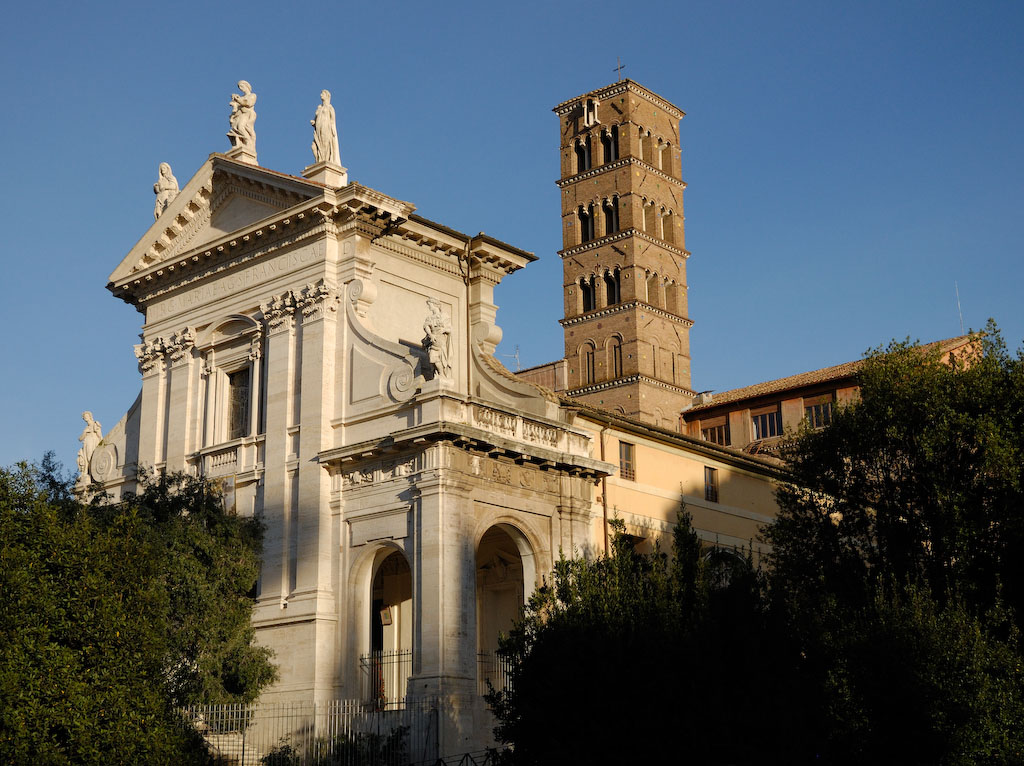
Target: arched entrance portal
point(504, 564)
point(386, 669)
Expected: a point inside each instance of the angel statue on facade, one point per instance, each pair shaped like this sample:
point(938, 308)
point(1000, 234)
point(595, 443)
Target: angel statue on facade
point(325, 132)
point(243, 118)
point(91, 437)
point(438, 340)
point(165, 189)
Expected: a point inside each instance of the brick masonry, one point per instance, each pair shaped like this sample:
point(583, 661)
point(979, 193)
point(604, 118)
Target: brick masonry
point(627, 342)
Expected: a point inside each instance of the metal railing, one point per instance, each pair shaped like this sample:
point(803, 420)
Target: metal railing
point(385, 677)
point(493, 671)
point(335, 733)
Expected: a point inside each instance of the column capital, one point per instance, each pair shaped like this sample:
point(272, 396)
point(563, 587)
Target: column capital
point(179, 349)
point(151, 356)
point(279, 312)
point(317, 301)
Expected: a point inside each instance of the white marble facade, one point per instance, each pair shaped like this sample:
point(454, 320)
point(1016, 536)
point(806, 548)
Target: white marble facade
point(411, 502)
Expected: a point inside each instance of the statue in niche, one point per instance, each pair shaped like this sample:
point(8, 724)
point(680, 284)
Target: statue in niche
point(91, 436)
point(325, 132)
point(165, 189)
point(243, 118)
point(439, 339)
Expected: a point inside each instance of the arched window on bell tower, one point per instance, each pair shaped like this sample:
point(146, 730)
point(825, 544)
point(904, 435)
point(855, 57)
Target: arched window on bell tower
point(610, 143)
point(649, 217)
point(653, 291)
point(611, 215)
point(587, 291)
point(615, 356)
point(613, 287)
point(587, 370)
point(586, 218)
point(584, 155)
point(667, 226)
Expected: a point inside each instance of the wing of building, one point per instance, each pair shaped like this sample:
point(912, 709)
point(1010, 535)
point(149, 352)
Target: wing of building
point(327, 355)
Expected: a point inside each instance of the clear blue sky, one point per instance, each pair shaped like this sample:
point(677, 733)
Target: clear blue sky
point(847, 162)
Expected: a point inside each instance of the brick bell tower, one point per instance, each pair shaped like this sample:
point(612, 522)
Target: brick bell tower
point(627, 334)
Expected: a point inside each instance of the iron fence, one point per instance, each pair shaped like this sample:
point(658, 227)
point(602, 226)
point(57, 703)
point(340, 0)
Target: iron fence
point(331, 733)
point(385, 677)
point(493, 671)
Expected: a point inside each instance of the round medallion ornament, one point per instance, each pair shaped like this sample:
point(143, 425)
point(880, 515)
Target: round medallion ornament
point(103, 463)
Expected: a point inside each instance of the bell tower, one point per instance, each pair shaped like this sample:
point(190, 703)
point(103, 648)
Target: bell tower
point(627, 334)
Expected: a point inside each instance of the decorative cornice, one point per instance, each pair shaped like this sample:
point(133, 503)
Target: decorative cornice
point(445, 261)
point(229, 252)
point(601, 169)
point(628, 381)
point(621, 87)
point(619, 307)
point(624, 234)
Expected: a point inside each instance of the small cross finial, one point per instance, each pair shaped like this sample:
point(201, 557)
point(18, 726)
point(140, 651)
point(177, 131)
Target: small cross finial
point(620, 67)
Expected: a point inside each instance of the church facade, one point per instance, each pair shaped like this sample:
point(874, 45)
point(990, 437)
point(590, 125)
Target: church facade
point(327, 356)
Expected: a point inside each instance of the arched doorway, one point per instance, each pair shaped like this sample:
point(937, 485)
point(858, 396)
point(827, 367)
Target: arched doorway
point(388, 665)
point(504, 566)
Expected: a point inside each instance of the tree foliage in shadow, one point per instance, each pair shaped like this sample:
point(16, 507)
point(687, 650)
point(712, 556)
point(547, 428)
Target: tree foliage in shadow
point(884, 630)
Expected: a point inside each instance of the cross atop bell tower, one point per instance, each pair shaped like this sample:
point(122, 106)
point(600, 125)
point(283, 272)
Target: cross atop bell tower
point(627, 334)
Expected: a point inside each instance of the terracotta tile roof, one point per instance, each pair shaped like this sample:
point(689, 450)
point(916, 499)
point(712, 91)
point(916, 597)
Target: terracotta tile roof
point(824, 375)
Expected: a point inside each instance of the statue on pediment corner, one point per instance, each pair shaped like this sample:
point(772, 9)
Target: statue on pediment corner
point(438, 342)
point(165, 189)
point(242, 120)
point(91, 436)
point(325, 131)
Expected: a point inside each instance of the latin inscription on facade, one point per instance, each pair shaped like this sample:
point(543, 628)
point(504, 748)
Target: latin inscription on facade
point(232, 283)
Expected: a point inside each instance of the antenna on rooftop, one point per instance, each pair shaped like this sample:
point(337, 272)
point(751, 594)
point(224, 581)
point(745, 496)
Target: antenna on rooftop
point(514, 355)
point(958, 311)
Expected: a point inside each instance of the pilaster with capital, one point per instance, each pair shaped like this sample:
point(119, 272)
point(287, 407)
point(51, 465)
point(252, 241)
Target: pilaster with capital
point(317, 305)
point(152, 365)
point(181, 406)
point(445, 600)
point(278, 495)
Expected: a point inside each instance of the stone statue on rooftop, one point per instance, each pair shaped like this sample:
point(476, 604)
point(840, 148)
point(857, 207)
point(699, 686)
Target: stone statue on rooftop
point(325, 132)
point(165, 188)
point(91, 436)
point(439, 339)
point(243, 118)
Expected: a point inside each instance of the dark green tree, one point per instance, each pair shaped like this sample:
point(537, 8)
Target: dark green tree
point(115, 614)
point(663, 657)
point(896, 562)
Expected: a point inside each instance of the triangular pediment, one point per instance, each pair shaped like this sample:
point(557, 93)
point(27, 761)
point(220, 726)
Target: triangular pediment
point(222, 197)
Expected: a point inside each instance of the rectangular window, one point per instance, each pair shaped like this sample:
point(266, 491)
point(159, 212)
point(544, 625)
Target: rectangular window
point(627, 464)
point(818, 410)
point(238, 404)
point(716, 434)
point(711, 484)
point(767, 424)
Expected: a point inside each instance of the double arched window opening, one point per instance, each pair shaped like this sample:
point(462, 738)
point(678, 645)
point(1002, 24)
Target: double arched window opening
point(590, 289)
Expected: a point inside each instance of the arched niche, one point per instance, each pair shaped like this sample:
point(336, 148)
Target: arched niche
point(506, 572)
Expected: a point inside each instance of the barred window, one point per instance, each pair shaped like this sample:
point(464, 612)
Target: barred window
point(711, 484)
point(627, 464)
